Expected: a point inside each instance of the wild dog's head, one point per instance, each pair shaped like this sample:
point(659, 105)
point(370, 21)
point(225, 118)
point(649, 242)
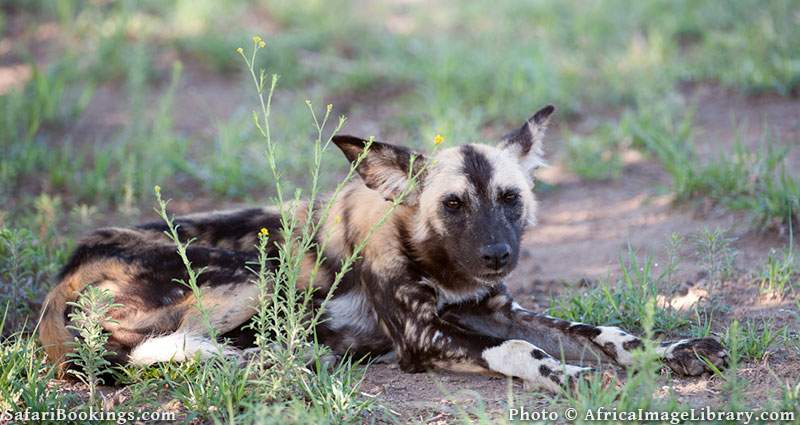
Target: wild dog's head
point(472, 202)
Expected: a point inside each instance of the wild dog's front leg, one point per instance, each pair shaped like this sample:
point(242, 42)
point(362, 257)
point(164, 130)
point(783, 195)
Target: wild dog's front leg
point(499, 315)
point(686, 357)
point(422, 341)
point(516, 357)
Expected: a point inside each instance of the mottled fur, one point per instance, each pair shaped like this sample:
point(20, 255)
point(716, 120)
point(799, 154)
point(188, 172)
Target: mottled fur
point(429, 286)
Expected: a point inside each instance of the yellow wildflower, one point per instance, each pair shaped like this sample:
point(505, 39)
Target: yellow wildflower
point(257, 39)
point(157, 189)
point(337, 219)
point(264, 232)
point(239, 50)
point(262, 44)
point(438, 139)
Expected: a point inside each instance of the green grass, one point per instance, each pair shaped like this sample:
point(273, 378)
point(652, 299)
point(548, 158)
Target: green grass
point(27, 263)
point(635, 392)
point(623, 303)
point(716, 253)
point(779, 273)
point(750, 341)
point(25, 378)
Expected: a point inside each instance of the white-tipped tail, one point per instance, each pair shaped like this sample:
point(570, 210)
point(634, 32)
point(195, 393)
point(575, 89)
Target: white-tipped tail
point(177, 347)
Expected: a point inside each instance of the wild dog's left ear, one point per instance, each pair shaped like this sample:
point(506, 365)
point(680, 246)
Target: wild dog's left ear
point(385, 168)
point(525, 142)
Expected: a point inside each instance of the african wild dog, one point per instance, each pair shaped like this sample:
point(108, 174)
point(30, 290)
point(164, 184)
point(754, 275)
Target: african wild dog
point(429, 287)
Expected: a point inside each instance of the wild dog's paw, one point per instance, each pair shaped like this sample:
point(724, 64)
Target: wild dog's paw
point(691, 357)
point(559, 377)
point(536, 368)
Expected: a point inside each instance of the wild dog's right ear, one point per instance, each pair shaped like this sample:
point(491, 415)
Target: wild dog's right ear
point(525, 142)
point(385, 168)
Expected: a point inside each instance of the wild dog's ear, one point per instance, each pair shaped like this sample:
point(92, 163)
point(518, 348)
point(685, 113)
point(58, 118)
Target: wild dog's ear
point(385, 167)
point(525, 142)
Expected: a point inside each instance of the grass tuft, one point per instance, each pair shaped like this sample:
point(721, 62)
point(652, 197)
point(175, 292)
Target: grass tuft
point(623, 304)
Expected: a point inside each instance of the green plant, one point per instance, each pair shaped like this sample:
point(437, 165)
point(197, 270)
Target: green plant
point(284, 320)
point(753, 181)
point(89, 316)
point(25, 378)
point(701, 327)
point(286, 316)
point(790, 399)
point(715, 250)
point(656, 130)
point(26, 263)
point(778, 274)
point(623, 304)
point(216, 390)
point(749, 341)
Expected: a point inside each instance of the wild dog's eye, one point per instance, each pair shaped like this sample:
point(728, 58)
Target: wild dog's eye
point(452, 203)
point(509, 197)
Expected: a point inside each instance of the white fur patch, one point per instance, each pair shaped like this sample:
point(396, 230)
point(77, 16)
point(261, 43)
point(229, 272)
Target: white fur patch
point(177, 347)
point(618, 338)
point(350, 310)
point(534, 157)
point(515, 358)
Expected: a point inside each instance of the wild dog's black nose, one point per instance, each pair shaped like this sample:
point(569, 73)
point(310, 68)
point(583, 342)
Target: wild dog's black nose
point(496, 255)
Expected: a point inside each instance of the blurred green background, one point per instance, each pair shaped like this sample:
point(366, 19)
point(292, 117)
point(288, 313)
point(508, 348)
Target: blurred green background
point(101, 100)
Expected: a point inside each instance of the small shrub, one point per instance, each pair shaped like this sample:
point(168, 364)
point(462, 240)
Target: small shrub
point(88, 318)
point(26, 264)
point(749, 341)
point(717, 255)
point(778, 275)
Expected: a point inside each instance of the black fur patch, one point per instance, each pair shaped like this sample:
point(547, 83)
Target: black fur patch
point(632, 344)
point(477, 169)
point(610, 349)
point(585, 330)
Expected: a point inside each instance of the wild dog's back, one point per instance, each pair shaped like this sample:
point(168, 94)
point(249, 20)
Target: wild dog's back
point(138, 267)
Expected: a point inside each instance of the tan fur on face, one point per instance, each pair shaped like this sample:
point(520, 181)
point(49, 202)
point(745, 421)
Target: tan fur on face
point(444, 175)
